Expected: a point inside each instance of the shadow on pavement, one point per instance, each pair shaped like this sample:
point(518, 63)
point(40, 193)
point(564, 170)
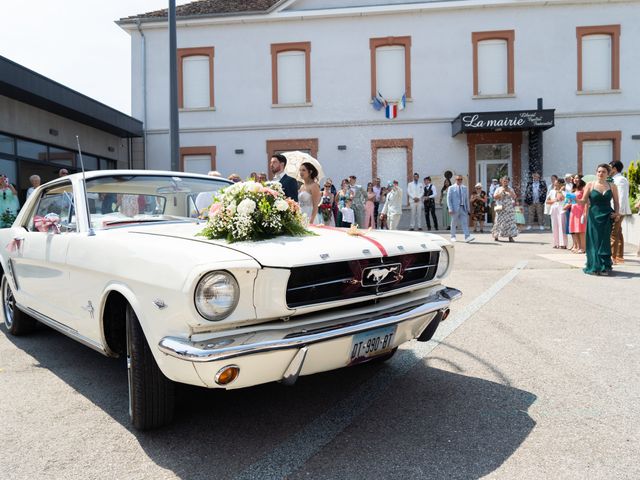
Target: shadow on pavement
point(427, 423)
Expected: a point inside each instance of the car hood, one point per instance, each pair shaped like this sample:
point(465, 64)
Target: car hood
point(326, 244)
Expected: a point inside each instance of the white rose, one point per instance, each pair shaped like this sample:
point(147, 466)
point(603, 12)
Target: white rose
point(253, 187)
point(281, 205)
point(246, 207)
point(231, 208)
point(233, 189)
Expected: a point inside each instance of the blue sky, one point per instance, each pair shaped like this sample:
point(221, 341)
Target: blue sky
point(76, 43)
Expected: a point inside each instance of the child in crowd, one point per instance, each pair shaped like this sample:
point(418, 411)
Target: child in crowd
point(348, 216)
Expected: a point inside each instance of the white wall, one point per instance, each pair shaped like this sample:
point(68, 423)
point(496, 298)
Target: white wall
point(545, 66)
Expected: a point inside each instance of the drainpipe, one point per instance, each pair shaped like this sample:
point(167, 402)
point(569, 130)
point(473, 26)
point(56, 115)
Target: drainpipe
point(144, 94)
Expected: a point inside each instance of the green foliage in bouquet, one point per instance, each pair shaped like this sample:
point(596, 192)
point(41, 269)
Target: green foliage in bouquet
point(7, 218)
point(253, 211)
point(633, 175)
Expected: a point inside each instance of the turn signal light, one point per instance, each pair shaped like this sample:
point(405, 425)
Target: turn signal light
point(227, 374)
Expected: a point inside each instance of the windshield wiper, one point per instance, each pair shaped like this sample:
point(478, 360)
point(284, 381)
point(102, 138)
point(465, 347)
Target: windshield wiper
point(165, 218)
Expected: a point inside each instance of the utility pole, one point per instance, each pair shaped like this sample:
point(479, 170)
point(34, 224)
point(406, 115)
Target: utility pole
point(174, 128)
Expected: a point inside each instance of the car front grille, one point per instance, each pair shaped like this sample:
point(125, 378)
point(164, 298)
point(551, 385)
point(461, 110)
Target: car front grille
point(329, 282)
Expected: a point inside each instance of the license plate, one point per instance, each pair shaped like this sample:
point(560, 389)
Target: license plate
point(370, 344)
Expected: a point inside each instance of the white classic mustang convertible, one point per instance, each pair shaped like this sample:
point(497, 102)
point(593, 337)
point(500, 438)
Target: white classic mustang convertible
point(115, 263)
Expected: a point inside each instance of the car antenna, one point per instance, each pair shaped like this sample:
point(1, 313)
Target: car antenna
point(91, 232)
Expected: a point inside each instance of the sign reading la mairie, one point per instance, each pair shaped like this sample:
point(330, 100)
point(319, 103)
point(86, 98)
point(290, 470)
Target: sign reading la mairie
point(497, 121)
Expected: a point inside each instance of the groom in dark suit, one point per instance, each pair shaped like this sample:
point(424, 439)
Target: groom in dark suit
point(289, 184)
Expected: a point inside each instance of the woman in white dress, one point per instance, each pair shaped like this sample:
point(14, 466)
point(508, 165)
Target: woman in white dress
point(309, 195)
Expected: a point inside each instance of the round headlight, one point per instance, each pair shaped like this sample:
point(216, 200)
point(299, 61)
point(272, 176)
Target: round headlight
point(216, 295)
point(443, 262)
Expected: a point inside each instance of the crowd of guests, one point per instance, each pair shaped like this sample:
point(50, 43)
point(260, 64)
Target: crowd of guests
point(591, 213)
point(372, 206)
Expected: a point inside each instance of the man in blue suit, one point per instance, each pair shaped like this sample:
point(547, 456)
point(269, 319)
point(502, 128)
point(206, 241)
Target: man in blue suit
point(289, 184)
point(458, 205)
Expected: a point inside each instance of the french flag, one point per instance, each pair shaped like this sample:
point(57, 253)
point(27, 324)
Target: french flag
point(391, 110)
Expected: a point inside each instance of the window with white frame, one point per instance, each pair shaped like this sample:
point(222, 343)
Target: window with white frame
point(195, 77)
point(493, 63)
point(200, 159)
point(598, 58)
point(196, 81)
point(390, 71)
point(290, 73)
point(596, 62)
point(292, 77)
point(197, 164)
point(595, 152)
point(493, 67)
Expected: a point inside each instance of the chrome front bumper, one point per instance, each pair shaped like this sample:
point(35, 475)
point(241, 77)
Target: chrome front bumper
point(225, 347)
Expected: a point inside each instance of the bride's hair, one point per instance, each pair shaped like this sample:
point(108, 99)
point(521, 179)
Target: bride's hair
point(313, 171)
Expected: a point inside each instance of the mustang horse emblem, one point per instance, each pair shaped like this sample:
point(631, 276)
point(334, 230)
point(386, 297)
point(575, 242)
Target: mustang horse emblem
point(379, 274)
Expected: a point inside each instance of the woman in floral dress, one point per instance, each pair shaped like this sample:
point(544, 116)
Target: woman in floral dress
point(478, 207)
point(504, 224)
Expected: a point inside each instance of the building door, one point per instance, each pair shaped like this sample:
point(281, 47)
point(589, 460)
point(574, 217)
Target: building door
point(493, 161)
point(392, 165)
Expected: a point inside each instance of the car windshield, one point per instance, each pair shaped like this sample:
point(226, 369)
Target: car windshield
point(126, 199)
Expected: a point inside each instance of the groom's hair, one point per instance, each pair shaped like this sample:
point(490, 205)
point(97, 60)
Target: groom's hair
point(617, 164)
point(281, 158)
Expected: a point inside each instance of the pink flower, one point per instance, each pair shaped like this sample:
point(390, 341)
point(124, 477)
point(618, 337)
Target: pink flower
point(271, 192)
point(214, 209)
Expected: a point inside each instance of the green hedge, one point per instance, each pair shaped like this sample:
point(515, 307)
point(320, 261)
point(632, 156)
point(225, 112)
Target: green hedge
point(633, 175)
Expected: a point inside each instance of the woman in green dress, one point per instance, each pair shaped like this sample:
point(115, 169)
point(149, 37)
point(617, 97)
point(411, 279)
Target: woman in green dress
point(9, 204)
point(597, 196)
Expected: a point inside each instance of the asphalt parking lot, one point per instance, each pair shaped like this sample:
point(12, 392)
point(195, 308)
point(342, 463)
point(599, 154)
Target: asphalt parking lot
point(534, 375)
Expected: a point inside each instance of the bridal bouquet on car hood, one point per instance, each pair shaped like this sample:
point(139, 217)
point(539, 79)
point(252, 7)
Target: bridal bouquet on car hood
point(253, 211)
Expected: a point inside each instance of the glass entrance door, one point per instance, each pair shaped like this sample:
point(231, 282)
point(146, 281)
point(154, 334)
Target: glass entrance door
point(492, 161)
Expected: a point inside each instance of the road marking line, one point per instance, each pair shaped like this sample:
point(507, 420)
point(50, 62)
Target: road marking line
point(294, 452)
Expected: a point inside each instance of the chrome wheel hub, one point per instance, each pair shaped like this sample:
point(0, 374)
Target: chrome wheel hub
point(8, 302)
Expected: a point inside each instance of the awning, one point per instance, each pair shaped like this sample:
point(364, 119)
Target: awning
point(470, 122)
point(24, 85)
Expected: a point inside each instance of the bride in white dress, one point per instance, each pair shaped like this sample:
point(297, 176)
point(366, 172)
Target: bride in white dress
point(309, 195)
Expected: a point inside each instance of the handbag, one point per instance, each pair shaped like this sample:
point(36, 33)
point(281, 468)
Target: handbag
point(498, 208)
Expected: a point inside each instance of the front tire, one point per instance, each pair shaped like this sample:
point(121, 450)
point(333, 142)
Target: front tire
point(151, 394)
point(17, 322)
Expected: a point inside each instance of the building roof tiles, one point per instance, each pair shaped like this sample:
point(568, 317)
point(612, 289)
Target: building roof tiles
point(210, 7)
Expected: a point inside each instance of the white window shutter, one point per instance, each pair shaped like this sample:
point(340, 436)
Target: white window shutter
point(392, 165)
point(493, 67)
point(596, 62)
point(195, 81)
point(390, 72)
point(595, 152)
point(292, 77)
point(197, 164)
